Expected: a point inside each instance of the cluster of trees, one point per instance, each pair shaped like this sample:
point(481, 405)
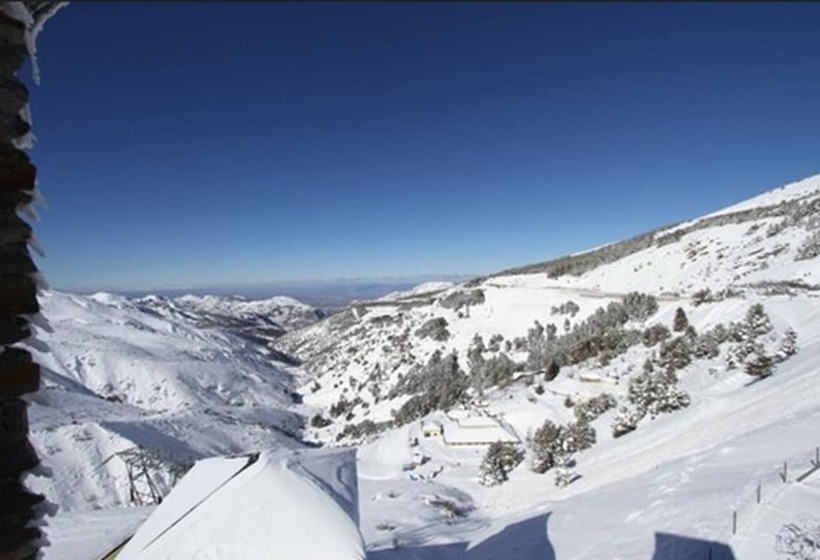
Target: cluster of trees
point(590, 409)
point(551, 448)
point(344, 407)
point(552, 445)
point(435, 328)
point(650, 393)
point(438, 385)
point(487, 372)
point(656, 391)
point(463, 298)
point(749, 352)
point(363, 429)
point(603, 335)
point(567, 308)
point(501, 458)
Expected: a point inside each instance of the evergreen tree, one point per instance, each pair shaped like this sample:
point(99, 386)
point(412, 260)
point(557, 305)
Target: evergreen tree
point(666, 395)
point(757, 321)
point(676, 353)
point(563, 470)
point(787, 346)
point(545, 444)
point(477, 364)
point(577, 436)
point(759, 364)
point(500, 460)
point(552, 370)
point(681, 321)
point(627, 420)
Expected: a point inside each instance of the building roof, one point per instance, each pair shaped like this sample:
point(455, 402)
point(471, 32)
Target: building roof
point(457, 434)
point(288, 505)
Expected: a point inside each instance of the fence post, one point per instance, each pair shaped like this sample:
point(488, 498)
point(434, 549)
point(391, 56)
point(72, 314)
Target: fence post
point(785, 474)
point(734, 521)
point(758, 492)
point(817, 457)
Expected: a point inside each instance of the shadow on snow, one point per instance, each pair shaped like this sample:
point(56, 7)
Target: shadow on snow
point(528, 540)
point(524, 540)
point(679, 547)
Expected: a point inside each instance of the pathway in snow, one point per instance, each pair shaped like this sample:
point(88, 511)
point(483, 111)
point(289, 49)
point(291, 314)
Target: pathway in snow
point(757, 540)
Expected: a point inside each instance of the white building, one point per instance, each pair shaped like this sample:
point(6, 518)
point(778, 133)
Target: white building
point(431, 428)
point(467, 428)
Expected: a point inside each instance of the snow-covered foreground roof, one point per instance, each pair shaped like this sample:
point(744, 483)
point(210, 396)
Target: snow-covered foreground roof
point(299, 505)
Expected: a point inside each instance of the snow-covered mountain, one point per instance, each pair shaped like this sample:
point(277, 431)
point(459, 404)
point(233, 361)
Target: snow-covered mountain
point(751, 251)
point(546, 338)
point(117, 378)
point(261, 320)
point(663, 377)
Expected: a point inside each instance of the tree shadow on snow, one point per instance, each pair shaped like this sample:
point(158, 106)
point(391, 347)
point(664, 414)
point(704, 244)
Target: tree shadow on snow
point(680, 547)
point(524, 540)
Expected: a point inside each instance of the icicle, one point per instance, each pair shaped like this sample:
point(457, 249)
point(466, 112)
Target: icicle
point(34, 24)
point(34, 243)
point(26, 141)
point(33, 30)
point(29, 212)
point(37, 196)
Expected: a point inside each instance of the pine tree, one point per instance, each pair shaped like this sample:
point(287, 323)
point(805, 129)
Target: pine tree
point(639, 388)
point(759, 364)
point(627, 420)
point(757, 321)
point(477, 364)
point(787, 346)
point(563, 470)
point(500, 460)
point(545, 443)
point(681, 322)
point(577, 436)
point(666, 395)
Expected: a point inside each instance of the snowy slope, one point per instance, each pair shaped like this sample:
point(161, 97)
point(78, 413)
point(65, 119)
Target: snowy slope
point(665, 490)
point(117, 378)
point(261, 319)
point(670, 486)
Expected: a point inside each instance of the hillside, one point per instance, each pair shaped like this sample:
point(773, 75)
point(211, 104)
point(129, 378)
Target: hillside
point(541, 340)
point(658, 380)
point(117, 378)
point(259, 320)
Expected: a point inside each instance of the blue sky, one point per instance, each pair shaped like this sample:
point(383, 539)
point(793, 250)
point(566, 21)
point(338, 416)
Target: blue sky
point(206, 143)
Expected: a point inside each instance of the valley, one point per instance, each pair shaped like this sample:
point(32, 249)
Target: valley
point(677, 368)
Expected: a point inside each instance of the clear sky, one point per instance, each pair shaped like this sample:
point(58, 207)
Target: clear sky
point(200, 143)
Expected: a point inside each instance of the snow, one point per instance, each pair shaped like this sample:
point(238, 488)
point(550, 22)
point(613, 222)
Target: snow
point(666, 490)
point(421, 289)
point(469, 429)
point(293, 505)
point(277, 313)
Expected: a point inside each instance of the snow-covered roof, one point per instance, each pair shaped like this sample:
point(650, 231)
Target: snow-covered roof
point(459, 435)
point(477, 422)
point(289, 505)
